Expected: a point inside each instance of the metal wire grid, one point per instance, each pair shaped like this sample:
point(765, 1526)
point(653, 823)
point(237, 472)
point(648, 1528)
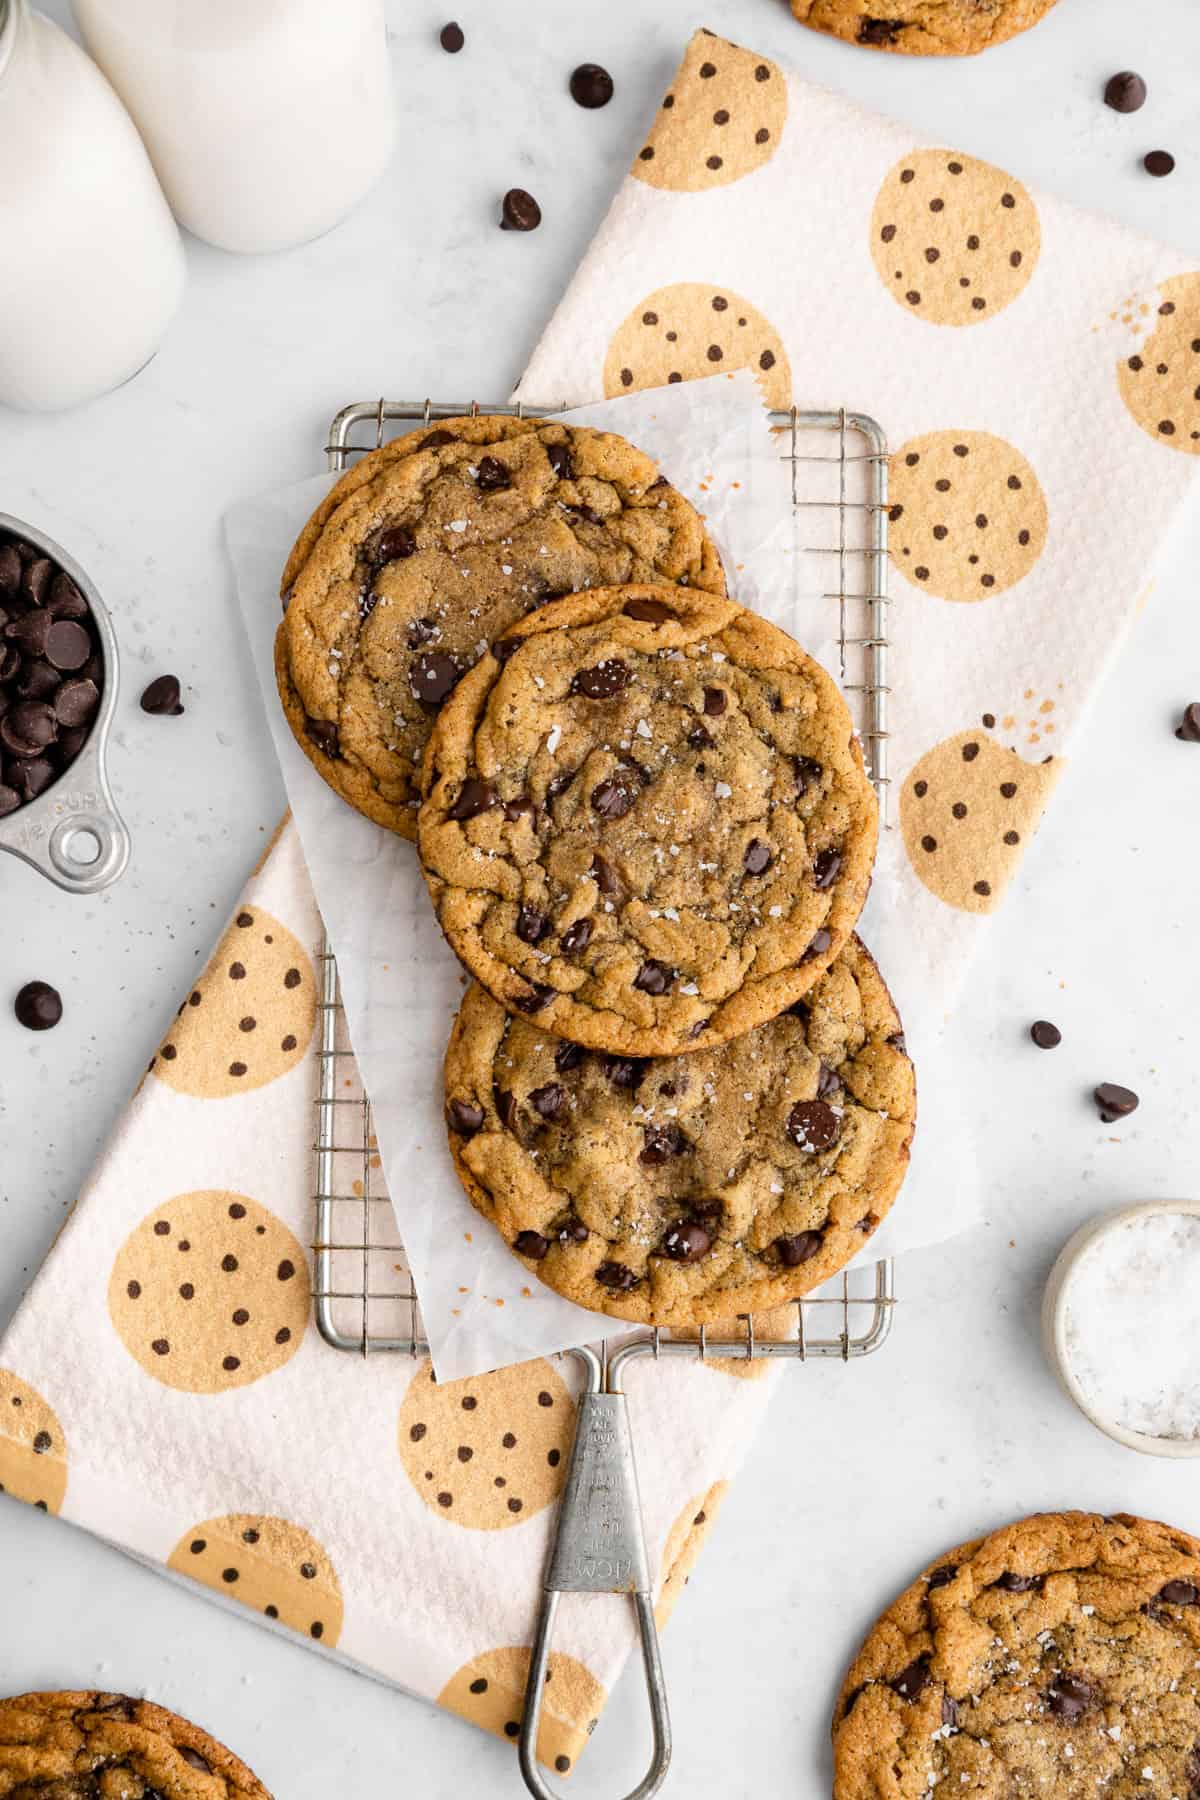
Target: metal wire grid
point(363, 1295)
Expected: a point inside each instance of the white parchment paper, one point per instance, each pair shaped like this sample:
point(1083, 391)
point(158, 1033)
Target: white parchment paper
point(400, 983)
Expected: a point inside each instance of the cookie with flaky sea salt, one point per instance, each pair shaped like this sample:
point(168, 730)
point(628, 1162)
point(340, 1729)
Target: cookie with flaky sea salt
point(1059, 1656)
point(922, 27)
point(647, 823)
point(680, 1190)
point(433, 546)
point(94, 1746)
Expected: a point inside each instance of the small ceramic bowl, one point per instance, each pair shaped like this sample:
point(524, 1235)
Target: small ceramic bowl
point(73, 833)
point(1054, 1323)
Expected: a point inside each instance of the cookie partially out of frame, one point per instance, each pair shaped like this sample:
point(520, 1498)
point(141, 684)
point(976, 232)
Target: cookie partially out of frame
point(647, 823)
point(680, 1190)
point(95, 1746)
point(429, 548)
point(1059, 1656)
point(922, 27)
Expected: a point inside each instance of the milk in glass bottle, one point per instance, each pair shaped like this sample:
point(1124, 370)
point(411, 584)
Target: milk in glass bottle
point(267, 120)
point(91, 266)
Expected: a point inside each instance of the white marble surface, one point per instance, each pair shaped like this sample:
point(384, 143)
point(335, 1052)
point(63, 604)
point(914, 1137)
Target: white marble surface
point(862, 1473)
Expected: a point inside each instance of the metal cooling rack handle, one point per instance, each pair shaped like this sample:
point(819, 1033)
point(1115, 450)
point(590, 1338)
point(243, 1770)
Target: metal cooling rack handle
point(599, 1548)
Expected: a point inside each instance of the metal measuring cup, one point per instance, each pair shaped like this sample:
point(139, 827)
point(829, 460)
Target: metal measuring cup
point(72, 833)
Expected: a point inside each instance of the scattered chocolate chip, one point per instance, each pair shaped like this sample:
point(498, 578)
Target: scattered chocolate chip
point(814, 1125)
point(1045, 1035)
point(519, 211)
point(1188, 729)
point(161, 698)
point(911, 1681)
point(506, 1106)
point(432, 677)
point(572, 1230)
point(531, 925)
point(792, 1251)
point(686, 1242)
point(651, 612)
point(950, 1712)
point(1069, 1698)
point(559, 458)
point(715, 702)
point(491, 475)
point(818, 945)
point(591, 85)
point(474, 797)
point(1126, 92)
point(1114, 1102)
point(451, 37)
point(1179, 1593)
point(616, 1277)
point(38, 1006)
point(826, 865)
point(1017, 1584)
point(699, 738)
point(1158, 162)
point(538, 996)
point(944, 1576)
point(653, 977)
point(531, 1244)
point(604, 682)
point(516, 809)
point(577, 936)
point(465, 1117)
point(568, 1057)
point(758, 858)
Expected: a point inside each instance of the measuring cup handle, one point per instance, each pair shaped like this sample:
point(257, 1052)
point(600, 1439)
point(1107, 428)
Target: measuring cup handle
point(82, 844)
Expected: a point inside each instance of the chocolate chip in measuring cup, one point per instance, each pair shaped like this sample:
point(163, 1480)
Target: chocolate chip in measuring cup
point(51, 672)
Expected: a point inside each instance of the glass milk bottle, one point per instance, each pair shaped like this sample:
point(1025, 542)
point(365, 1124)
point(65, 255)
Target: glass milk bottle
point(91, 266)
point(267, 120)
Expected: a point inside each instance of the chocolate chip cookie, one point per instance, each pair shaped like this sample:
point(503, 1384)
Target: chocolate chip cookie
point(648, 824)
point(90, 1746)
point(434, 545)
point(922, 27)
point(1058, 1656)
point(679, 1190)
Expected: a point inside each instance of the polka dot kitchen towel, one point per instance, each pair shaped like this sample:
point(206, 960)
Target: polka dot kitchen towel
point(163, 1384)
point(1035, 370)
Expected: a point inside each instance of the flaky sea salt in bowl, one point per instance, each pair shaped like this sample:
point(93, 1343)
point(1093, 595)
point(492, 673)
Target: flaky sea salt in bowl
point(1120, 1323)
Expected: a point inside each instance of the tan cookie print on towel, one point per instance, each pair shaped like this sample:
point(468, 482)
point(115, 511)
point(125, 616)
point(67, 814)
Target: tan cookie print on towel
point(210, 1292)
point(722, 119)
point(33, 1449)
point(683, 1545)
point(489, 1452)
point(683, 332)
point(489, 1691)
point(954, 240)
point(967, 811)
point(1160, 382)
point(271, 1566)
point(249, 1017)
point(968, 515)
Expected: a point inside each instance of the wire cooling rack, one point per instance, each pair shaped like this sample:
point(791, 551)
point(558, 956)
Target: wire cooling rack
point(363, 1296)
